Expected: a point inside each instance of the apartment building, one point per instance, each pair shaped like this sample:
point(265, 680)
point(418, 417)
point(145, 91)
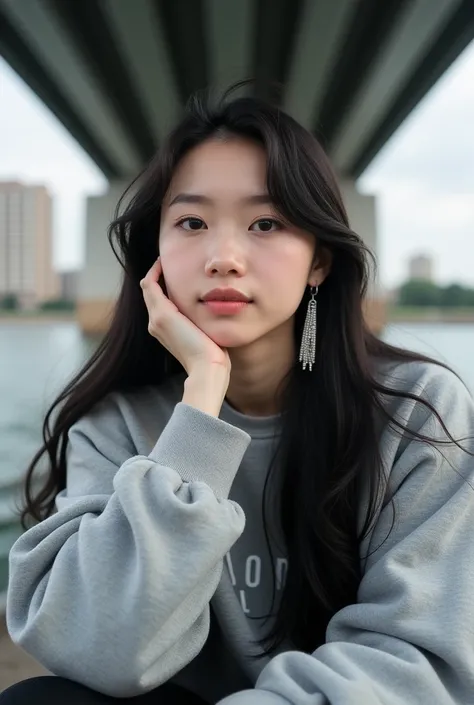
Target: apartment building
point(26, 248)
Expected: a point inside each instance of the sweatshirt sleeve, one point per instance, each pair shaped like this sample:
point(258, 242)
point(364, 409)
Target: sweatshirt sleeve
point(113, 590)
point(410, 637)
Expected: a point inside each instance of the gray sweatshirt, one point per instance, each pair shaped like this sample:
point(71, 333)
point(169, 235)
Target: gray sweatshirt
point(155, 566)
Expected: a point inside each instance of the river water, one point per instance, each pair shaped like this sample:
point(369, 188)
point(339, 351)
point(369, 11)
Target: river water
point(36, 359)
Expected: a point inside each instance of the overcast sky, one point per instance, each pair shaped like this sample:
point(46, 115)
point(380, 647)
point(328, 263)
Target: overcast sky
point(424, 177)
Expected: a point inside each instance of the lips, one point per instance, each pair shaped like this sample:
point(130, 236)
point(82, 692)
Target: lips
point(226, 295)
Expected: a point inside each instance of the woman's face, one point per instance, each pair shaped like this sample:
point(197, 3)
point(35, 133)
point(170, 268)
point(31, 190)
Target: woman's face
point(219, 230)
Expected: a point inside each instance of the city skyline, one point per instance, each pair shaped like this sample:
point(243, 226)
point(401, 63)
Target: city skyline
point(423, 177)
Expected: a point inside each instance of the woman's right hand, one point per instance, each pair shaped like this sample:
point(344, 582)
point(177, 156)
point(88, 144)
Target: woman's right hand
point(196, 352)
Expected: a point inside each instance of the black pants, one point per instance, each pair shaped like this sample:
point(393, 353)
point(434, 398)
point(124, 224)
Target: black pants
point(52, 690)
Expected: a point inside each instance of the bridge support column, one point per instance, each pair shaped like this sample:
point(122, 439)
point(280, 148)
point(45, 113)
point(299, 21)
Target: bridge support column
point(100, 279)
point(362, 212)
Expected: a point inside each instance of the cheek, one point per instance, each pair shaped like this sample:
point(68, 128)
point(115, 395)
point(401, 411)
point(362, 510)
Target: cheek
point(177, 263)
point(285, 271)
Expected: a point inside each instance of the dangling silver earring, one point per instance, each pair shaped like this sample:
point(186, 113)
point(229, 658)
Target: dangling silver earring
point(308, 341)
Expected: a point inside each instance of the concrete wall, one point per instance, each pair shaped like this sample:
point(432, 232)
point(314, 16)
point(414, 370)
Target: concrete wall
point(361, 210)
point(99, 281)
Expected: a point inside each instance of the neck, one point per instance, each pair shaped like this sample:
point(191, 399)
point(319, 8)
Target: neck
point(258, 371)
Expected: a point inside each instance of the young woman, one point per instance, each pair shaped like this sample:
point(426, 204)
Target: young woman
point(245, 500)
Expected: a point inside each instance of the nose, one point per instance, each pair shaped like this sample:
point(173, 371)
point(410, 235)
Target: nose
point(225, 255)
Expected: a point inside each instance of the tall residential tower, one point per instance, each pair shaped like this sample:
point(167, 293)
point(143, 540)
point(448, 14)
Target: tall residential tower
point(26, 248)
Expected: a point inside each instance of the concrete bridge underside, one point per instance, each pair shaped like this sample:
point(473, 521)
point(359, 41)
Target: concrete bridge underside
point(117, 73)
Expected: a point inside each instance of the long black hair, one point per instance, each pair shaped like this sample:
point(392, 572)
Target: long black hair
point(330, 440)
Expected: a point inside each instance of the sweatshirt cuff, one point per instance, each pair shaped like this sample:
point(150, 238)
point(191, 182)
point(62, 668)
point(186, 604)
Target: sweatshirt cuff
point(200, 447)
point(253, 697)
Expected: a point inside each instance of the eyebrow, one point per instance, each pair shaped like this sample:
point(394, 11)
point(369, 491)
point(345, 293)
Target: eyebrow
point(258, 198)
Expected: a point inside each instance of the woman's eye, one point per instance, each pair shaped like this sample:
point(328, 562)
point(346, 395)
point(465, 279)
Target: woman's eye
point(192, 224)
point(266, 225)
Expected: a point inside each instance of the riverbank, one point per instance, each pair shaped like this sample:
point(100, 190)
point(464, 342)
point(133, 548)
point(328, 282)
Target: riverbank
point(402, 314)
point(15, 664)
point(37, 316)
point(408, 314)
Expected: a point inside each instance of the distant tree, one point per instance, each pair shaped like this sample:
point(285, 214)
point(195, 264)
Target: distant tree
point(469, 297)
point(454, 295)
point(58, 305)
point(419, 292)
point(9, 302)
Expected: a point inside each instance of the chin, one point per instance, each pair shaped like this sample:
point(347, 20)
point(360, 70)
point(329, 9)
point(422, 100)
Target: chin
point(228, 332)
point(227, 340)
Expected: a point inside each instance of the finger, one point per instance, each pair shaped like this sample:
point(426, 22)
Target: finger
point(154, 297)
point(153, 274)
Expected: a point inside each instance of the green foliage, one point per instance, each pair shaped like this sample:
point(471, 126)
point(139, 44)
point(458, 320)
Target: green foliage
point(453, 295)
point(58, 305)
point(9, 302)
point(420, 292)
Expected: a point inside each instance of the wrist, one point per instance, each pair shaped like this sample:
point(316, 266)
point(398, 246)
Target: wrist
point(205, 388)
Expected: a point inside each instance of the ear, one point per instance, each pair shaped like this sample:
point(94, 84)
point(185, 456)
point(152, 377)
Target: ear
point(321, 266)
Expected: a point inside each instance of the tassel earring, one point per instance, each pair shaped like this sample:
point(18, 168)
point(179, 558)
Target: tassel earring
point(308, 341)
